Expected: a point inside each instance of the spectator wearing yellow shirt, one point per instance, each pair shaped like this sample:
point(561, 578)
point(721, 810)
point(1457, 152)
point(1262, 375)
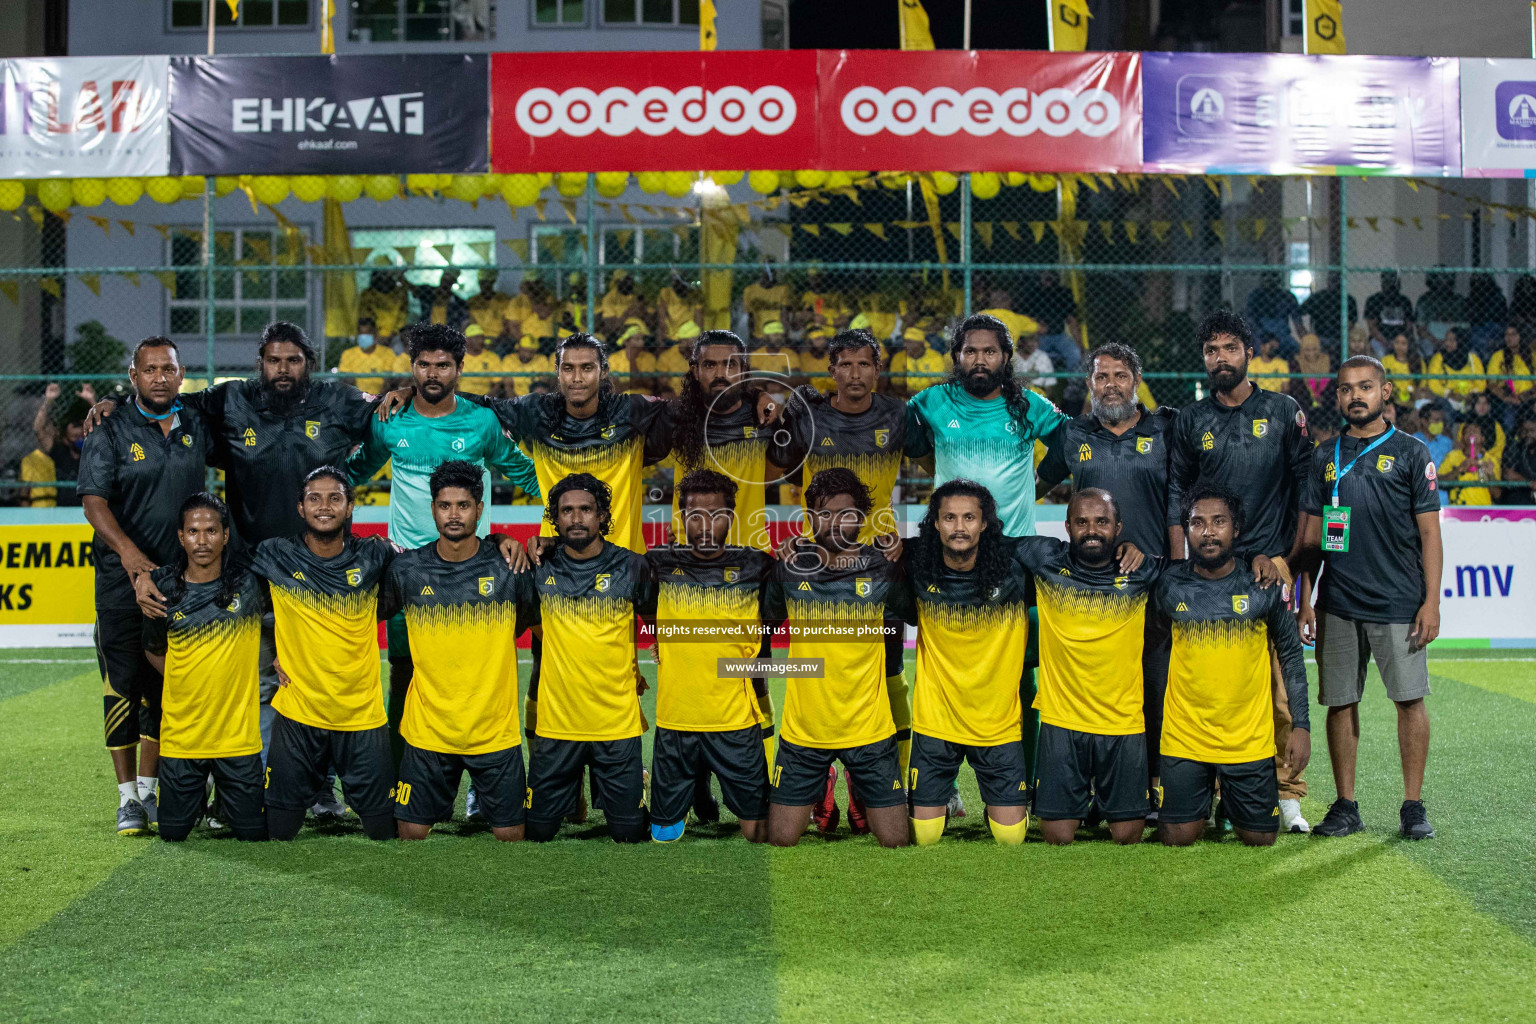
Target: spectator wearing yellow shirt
point(526, 359)
point(1401, 363)
point(1262, 369)
point(439, 304)
point(917, 365)
point(813, 360)
point(368, 355)
point(771, 352)
point(819, 306)
point(533, 312)
point(1470, 460)
point(1460, 364)
point(488, 309)
point(57, 455)
point(676, 304)
point(620, 303)
point(630, 366)
point(1510, 360)
point(875, 318)
point(765, 299)
point(1002, 308)
point(386, 303)
point(674, 360)
point(479, 359)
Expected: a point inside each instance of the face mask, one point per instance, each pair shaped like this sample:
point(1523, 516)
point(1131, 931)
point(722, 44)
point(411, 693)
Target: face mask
point(365, 341)
point(1437, 428)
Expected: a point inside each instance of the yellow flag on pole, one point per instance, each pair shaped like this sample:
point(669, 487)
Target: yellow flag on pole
point(1068, 25)
point(915, 34)
point(234, 9)
point(327, 30)
point(707, 37)
point(1325, 26)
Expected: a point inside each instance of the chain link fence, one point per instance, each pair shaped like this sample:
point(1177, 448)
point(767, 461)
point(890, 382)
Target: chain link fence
point(1435, 277)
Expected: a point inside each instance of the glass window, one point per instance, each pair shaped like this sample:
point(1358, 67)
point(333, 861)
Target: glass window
point(259, 14)
point(422, 253)
point(245, 300)
point(559, 12)
point(651, 12)
point(422, 21)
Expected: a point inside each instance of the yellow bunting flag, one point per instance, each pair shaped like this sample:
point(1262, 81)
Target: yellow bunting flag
point(841, 229)
point(51, 286)
point(1219, 230)
point(1037, 228)
point(127, 226)
point(913, 20)
point(1012, 227)
point(519, 247)
point(167, 279)
point(877, 229)
point(131, 278)
point(1160, 228)
point(1107, 229)
point(1131, 229)
point(105, 223)
point(1068, 25)
point(1259, 224)
point(92, 281)
point(445, 251)
point(811, 229)
point(984, 232)
point(11, 291)
point(1325, 26)
point(481, 249)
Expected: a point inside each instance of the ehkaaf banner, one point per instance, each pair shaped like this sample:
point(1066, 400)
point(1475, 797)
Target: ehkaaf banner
point(83, 117)
point(1498, 118)
point(406, 114)
point(1285, 113)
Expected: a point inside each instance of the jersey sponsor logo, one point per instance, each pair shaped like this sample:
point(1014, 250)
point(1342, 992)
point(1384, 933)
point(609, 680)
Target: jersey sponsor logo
point(1207, 441)
point(1143, 445)
point(1330, 472)
point(1182, 607)
point(311, 429)
point(1429, 474)
point(354, 577)
point(881, 437)
point(1063, 571)
point(954, 424)
point(427, 591)
point(137, 451)
point(1384, 463)
point(186, 440)
point(402, 443)
point(1121, 582)
point(863, 585)
point(678, 571)
point(1084, 453)
point(486, 585)
point(993, 595)
point(1261, 428)
point(732, 573)
point(980, 112)
point(603, 582)
point(1240, 603)
point(804, 585)
point(932, 589)
point(249, 437)
point(234, 606)
point(457, 444)
point(657, 110)
point(299, 576)
point(549, 581)
point(826, 442)
point(177, 617)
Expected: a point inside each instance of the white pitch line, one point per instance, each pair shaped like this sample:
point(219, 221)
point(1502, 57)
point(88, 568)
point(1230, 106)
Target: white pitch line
point(48, 661)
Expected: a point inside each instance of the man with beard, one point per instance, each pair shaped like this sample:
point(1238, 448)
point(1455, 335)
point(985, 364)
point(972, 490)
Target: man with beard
point(134, 474)
point(1253, 443)
point(970, 604)
point(1372, 515)
point(1120, 447)
point(323, 587)
point(1092, 618)
point(1217, 725)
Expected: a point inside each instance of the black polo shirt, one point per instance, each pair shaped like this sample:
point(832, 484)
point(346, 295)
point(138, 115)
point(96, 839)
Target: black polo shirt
point(1259, 450)
point(266, 455)
point(1381, 577)
point(1132, 466)
point(144, 475)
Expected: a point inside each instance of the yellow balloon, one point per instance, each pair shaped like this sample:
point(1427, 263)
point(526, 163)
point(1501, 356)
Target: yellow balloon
point(651, 181)
point(839, 179)
point(1013, 179)
point(55, 194)
point(1042, 182)
point(163, 189)
point(88, 191)
point(612, 182)
point(810, 179)
point(572, 183)
point(545, 179)
point(421, 182)
point(223, 185)
point(124, 191)
point(678, 183)
point(520, 189)
point(192, 186)
point(307, 188)
point(894, 179)
point(381, 187)
point(11, 194)
point(944, 183)
point(490, 184)
point(725, 178)
point(269, 188)
point(985, 184)
point(763, 182)
point(344, 187)
point(465, 187)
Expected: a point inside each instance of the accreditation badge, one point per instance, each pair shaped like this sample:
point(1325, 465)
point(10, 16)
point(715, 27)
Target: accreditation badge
point(1336, 528)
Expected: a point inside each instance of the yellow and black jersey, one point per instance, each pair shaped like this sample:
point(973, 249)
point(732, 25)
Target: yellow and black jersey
point(818, 436)
point(693, 595)
point(327, 637)
point(587, 608)
point(836, 615)
point(1091, 623)
point(626, 433)
point(463, 619)
point(1219, 706)
point(734, 445)
point(211, 704)
point(970, 654)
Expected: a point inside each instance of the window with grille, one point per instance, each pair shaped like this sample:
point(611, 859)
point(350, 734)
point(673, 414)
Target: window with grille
point(251, 285)
point(260, 14)
point(650, 12)
point(422, 21)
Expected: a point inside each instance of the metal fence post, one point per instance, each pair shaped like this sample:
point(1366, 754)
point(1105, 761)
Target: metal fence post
point(1343, 268)
point(966, 249)
point(208, 248)
point(591, 254)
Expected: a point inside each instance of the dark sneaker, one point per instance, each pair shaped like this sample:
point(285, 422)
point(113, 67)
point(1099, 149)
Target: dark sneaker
point(1415, 824)
point(1342, 819)
point(132, 820)
point(1155, 803)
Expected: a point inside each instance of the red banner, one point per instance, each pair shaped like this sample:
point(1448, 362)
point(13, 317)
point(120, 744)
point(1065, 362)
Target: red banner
point(727, 110)
point(990, 110)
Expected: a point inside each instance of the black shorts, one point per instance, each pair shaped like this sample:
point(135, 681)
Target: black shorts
point(935, 763)
point(301, 756)
point(1074, 769)
point(429, 783)
point(131, 691)
point(799, 775)
point(238, 791)
point(1250, 792)
point(554, 779)
point(736, 758)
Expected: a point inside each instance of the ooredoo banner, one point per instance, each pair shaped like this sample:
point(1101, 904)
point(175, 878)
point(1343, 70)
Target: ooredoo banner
point(78, 117)
point(1286, 113)
point(420, 113)
point(653, 111)
point(1498, 118)
point(990, 110)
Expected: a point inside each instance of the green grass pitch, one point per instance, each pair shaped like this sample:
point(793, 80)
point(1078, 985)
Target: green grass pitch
point(460, 928)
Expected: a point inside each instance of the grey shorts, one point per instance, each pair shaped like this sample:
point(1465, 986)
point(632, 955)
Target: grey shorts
point(1344, 652)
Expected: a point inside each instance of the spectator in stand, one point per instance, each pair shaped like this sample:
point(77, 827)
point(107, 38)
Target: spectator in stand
point(1439, 309)
point(1433, 432)
point(488, 309)
point(630, 366)
point(1522, 305)
point(673, 361)
point(916, 366)
point(1401, 362)
point(57, 455)
point(1520, 463)
point(1470, 460)
point(620, 303)
point(533, 313)
point(1053, 304)
point(367, 355)
point(386, 304)
point(676, 304)
point(1322, 425)
point(1459, 369)
point(813, 360)
point(1388, 313)
point(1030, 363)
point(1482, 411)
point(819, 305)
point(1317, 364)
point(1487, 312)
point(527, 359)
point(1000, 302)
point(1359, 342)
point(1273, 311)
point(1510, 360)
point(478, 359)
point(440, 305)
point(765, 299)
point(1320, 313)
point(1268, 368)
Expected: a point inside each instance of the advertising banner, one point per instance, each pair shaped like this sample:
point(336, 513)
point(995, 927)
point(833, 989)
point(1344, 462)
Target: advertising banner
point(1286, 113)
point(1488, 587)
point(653, 111)
point(1498, 118)
point(991, 110)
point(47, 586)
point(78, 117)
point(409, 114)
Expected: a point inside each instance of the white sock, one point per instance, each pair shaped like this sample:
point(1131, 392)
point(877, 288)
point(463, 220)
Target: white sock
point(147, 786)
point(126, 791)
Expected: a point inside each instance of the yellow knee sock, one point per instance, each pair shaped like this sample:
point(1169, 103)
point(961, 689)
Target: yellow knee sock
point(765, 710)
point(1008, 835)
point(927, 831)
point(901, 714)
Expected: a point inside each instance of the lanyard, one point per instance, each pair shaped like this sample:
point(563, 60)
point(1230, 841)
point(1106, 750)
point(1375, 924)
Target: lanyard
point(1340, 471)
point(172, 411)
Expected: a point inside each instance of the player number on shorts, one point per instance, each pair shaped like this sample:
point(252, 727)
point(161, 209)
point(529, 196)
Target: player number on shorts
point(402, 793)
point(776, 774)
point(266, 782)
point(911, 778)
point(528, 798)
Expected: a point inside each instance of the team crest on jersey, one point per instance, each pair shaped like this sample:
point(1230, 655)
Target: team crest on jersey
point(311, 429)
point(607, 432)
point(1207, 441)
point(1429, 473)
point(863, 585)
point(603, 582)
point(1261, 428)
point(749, 432)
point(881, 437)
point(186, 440)
point(1240, 603)
point(803, 586)
point(137, 451)
point(487, 584)
point(732, 573)
point(1084, 453)
point(458, 444)
point(1384, 463)
point(354, 577)
point(234, 606)
point(1121, 582)
point(249, 437)
point(1143, 445)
